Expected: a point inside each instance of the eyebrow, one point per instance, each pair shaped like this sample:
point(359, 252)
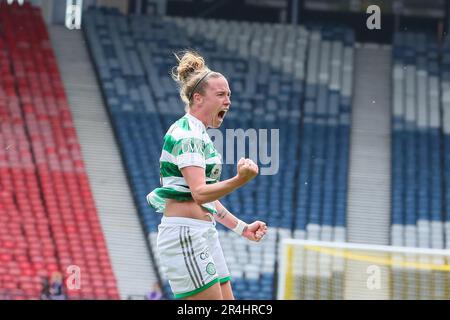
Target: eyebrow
point(222, 91)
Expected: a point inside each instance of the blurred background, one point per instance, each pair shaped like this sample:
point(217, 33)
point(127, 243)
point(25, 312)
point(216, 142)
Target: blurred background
point(361, 101)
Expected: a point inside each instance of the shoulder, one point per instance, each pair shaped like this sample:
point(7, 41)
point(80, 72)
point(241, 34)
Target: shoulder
point(182, 129)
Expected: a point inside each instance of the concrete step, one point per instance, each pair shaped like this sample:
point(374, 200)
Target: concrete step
point(126, 241)
point(368, 206)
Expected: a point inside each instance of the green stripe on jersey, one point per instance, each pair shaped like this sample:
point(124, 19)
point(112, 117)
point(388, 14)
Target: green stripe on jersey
point(168, 169)
point(173, 194)
point(183, 123)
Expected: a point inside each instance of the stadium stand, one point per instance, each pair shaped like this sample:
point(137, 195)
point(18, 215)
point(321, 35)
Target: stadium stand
point(445, 100)
point(418, 148)
point(296, 81)
point(48, 216)
point(417, 202)
point(273, 70)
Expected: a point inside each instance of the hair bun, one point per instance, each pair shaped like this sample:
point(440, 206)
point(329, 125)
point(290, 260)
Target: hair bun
point(189, 64)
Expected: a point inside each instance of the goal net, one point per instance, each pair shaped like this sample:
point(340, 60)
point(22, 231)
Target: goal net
point(329, 270)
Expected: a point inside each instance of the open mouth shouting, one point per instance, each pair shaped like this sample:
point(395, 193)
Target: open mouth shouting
point(222, 113)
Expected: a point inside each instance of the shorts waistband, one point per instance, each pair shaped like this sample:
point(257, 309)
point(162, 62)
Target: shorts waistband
point(186, 222)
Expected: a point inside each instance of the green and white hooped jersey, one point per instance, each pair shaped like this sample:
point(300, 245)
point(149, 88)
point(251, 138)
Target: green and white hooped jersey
point(186, 143)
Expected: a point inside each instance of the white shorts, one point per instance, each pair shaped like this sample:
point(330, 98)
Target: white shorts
point(190, 255)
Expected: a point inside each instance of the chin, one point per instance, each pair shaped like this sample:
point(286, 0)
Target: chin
point(216, 125)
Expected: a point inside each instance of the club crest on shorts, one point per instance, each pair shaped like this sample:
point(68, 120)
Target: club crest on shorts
point(211, 268)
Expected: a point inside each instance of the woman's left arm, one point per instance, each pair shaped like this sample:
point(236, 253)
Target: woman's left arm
point(254, 231)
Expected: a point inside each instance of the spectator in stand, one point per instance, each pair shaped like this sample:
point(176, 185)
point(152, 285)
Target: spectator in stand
point(57, 291)
point(155, 293)
point(45, 291)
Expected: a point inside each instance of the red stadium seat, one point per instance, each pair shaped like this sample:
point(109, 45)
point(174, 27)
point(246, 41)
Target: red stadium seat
point(48, 221)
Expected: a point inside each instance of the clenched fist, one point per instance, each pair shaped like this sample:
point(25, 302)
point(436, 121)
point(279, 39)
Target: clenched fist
point(255, 231)
point(246, 170)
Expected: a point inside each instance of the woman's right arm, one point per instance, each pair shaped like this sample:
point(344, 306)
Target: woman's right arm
point(204, 193)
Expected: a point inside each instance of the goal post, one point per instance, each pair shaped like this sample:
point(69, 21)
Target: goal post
point(319, 270)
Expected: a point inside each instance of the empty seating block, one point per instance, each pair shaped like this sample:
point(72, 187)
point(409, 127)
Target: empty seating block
point(416, 143)
point(445, 107)
point(419, 135)
point(48, 220)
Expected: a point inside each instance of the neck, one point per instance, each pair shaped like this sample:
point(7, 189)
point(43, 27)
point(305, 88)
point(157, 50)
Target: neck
point(199, 116)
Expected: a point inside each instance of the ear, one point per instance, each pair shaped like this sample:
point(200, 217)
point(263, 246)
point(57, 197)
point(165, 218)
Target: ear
point(197, 98)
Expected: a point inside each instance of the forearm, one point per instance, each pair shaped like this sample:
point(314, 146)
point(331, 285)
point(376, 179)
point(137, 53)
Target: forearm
point(211, 192)
point(225, 217)
point(253, 232)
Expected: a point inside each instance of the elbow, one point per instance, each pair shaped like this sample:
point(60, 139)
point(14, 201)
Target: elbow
point(198, 197)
